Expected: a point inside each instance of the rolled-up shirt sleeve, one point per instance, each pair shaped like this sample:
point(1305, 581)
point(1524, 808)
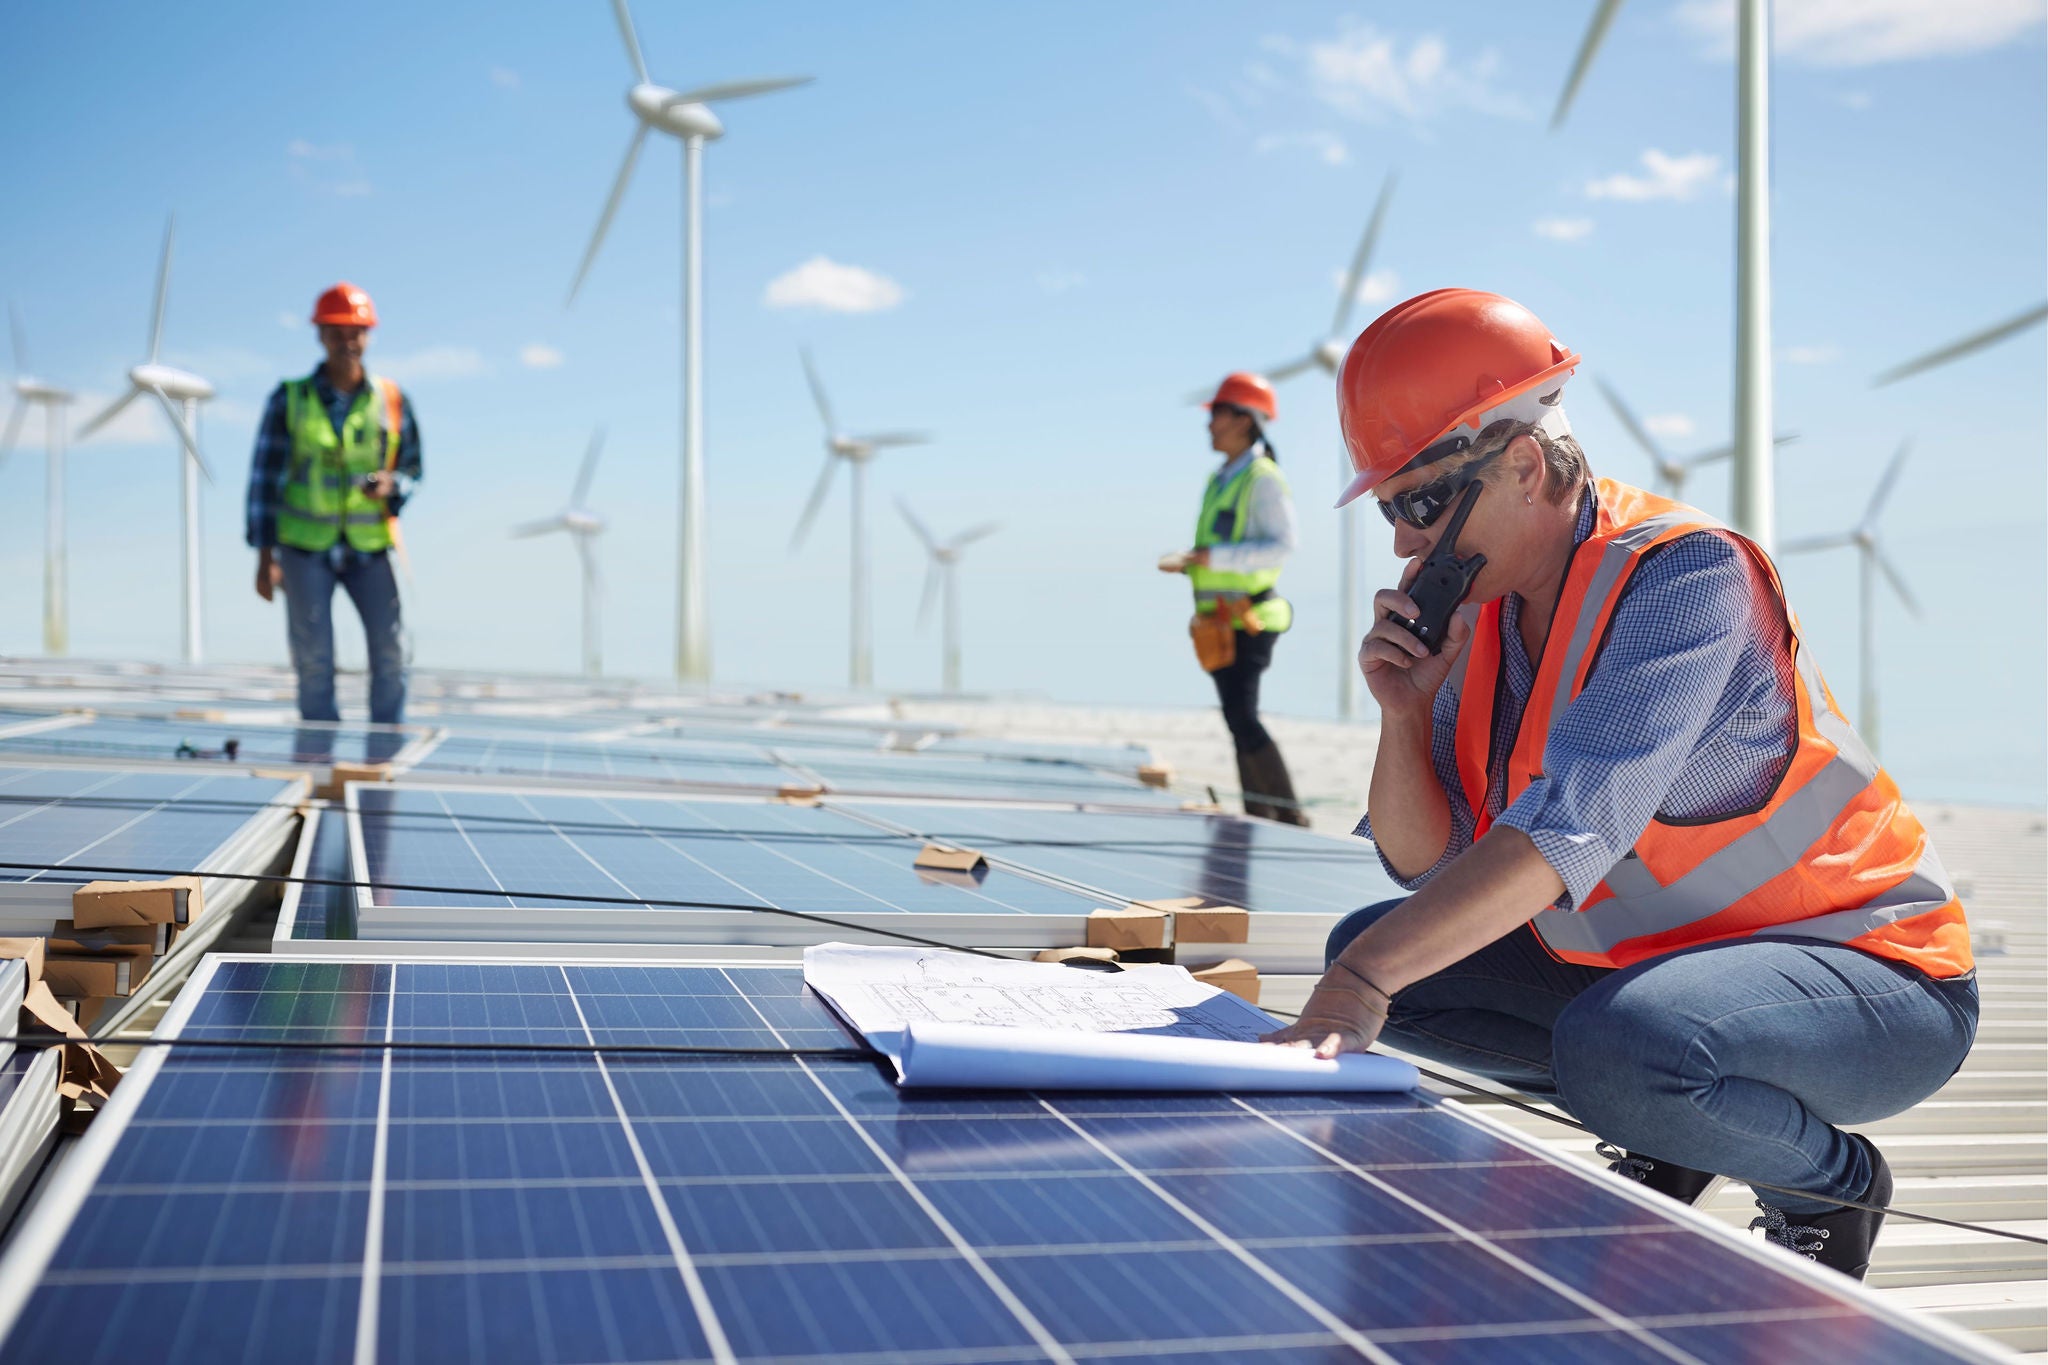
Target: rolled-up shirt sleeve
point(1620, 745)
point(1268, 532)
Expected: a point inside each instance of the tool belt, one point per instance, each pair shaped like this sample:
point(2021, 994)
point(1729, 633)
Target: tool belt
point(1215, 632)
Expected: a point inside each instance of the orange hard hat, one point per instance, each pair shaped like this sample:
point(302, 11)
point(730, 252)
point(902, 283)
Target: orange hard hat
point(1248, 391)
point(345, 306)
point(1446, 359)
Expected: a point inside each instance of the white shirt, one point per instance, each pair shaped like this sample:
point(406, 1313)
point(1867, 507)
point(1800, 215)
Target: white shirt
point(1268, 521)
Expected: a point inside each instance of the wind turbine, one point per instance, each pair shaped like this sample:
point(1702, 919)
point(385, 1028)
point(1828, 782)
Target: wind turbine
point(1956, 350)
point(585, 526)
point(1328, 356)
point(1755, 503)
point(35, 393)
point(682, 115)
point(1871, 561)
point(180, 393)
point(944, 578)
point(857, 451)
point(1671, 473)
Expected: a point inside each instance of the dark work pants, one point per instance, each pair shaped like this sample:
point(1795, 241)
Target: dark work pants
point(1237, 687)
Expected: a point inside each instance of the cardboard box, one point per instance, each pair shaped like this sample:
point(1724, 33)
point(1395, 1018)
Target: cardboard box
point(66, 937)
point(30, 950)
point(342, 774)
point(1156, 774)
point(1212, 924)
point(174, 900)
point(97, 974)
point(932, 858)
point(1135, 926)
point(87, 1010)
point(795, 792)
point(1232, 974)
point(45, 1011)
point(1073, 954)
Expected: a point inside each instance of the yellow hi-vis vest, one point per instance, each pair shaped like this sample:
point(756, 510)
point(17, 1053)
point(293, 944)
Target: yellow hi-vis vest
point(1222, 521)
point(323, 495)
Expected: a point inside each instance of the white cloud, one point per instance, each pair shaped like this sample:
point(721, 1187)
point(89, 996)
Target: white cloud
point(1859, 100)
point(1060, 281)
point(435, 362)
point(291, 322)
point(505, 78)
point(540, 356)
point(1666, 177)
point(825, 284)
point(1326, 147)
point(1377, 287)
point(1365, 73)
point(330, 170)
point(1867, 32)
point(1563, 229)
point(1823, 354)
point(1669, 424)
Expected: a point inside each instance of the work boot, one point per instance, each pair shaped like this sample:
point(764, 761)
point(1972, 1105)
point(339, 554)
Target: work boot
point(1682, 1183)
point(1268, 790)
point(1841, 1239)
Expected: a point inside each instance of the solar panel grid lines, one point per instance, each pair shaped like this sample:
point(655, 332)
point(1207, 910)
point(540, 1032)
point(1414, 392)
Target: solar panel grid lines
point(518, 1223)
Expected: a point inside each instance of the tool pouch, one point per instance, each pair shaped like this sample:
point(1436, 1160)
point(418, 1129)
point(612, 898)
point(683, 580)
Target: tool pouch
point(1215, 633)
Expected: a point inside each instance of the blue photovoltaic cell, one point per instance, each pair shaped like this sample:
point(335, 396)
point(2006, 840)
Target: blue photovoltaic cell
point(327, 912)
point(103, 817)
point(640, 1208)
point(742, 853)
point(1256, 864)
point(154, 739)
point(626, 760)
point(1011, 779)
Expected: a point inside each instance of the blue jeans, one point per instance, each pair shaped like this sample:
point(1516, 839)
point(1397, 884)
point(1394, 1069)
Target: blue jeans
point(309, 581)
point(1737, 1057)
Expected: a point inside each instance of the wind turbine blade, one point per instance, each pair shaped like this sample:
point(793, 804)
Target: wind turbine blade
point(539, 528)
point(1813, 543)
point(186, 436)
point(897, 438)
point(1885, 484)
point(923, 533)
point(1589, 47)
point(109, 413)
point(1362, 259)
point(625, 18)
point(1631, 424)
point(818, 392)
point(1287, 371)
point(583, 476)
point(1892, 576)
point(163, 289)
point(611, 205)
point(972, 534)
point(735, 90)
point(931, 593)
point(818, 492)
point(1720, 453)
point(13, 431)
point(1956, 350)
point(18, 338)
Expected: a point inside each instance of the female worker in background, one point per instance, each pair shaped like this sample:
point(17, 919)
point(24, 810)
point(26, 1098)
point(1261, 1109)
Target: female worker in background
point(1244, 535)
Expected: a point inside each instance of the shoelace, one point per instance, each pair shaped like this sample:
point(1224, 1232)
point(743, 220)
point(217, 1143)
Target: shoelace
point(1621, 1163)
point(1787, 1234)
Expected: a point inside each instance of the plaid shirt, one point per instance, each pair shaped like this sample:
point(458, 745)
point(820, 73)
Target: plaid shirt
point(1688, 713)
point(270, 465)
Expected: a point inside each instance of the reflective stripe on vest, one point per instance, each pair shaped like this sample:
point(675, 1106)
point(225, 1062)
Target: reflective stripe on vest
point(1209, 584)
point(323, 500)
point(1833, 853)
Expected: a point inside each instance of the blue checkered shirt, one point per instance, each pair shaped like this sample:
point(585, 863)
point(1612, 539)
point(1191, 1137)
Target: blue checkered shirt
point(271, 463)
point(1688, 714)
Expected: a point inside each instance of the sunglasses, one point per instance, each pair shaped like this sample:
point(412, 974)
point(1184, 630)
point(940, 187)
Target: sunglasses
point(1421, 507)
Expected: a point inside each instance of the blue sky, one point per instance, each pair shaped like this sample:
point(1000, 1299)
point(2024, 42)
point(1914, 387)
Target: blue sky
point(1054, 221)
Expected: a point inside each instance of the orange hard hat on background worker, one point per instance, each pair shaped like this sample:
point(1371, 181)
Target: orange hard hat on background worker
point(1441, 367)
point(1247, 391)
point(345, 306)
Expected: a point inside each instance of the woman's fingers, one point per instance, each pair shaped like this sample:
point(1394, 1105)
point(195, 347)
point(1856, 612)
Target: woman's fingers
point(1393, 602)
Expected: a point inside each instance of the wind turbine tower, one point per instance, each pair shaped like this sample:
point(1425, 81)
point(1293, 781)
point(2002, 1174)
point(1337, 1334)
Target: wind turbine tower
point(1870, 563)
point(684, 116)
point(857, 452)
point(584, 526)
point(30, 393)
point(943, 578)
point(180, 393)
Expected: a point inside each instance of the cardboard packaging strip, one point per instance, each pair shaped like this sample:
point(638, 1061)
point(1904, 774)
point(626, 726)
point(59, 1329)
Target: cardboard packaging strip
point(29, 950)
point(1233, 974)
point(110, 904)
point(1136, 926)
point(1076, 955)
point(95, 974)
point(1196, 920)
point(932, 858)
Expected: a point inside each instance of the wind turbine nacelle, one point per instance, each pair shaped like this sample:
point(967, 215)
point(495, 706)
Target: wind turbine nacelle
point(36, 391)
point(849, 448)
point(583, 523)
point(653, 106)
point(175, 383)
point(1330, 355)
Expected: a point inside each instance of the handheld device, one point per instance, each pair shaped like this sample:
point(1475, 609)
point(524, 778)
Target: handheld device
point(1444, 581)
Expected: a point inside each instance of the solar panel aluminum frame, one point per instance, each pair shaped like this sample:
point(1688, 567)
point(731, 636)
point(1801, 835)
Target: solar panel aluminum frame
point(691, 932)
point(28, 1126)
point(62, 720)
point(784, 778)
point(35, 1243)
point(280, 721)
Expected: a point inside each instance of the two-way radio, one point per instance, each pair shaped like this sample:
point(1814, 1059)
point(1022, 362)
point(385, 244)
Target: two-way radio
point(1444, 581)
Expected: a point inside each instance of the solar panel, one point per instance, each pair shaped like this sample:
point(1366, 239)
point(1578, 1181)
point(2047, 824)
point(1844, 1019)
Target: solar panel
point(1298, 883)
point(319, 913)
point(436, 1206)
point(145, 739)
point(940, 777)
point(668, 848)
point(636, 760)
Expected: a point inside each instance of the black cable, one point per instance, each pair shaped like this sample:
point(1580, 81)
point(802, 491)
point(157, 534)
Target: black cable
point(861, 1053)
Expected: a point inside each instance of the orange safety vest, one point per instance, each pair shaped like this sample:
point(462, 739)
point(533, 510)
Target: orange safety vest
point(1833, 853)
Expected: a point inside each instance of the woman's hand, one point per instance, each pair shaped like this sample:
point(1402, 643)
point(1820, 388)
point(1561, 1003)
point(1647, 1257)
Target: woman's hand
point(1344, 1013)
point(1400, 672)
